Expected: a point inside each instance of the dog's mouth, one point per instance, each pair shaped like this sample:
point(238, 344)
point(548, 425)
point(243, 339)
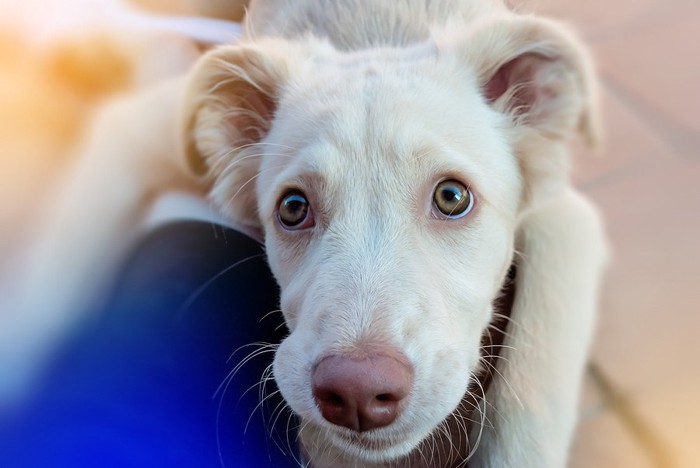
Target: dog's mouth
point(367, 442)
point(373, 447)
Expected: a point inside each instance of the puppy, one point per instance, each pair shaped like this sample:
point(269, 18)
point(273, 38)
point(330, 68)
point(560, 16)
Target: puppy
point(396, 159)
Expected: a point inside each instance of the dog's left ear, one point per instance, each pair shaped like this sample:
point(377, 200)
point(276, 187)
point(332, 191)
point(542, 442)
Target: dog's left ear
point(538, 74)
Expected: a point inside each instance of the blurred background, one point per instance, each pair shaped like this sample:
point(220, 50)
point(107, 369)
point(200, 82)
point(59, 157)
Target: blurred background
point(59, 59)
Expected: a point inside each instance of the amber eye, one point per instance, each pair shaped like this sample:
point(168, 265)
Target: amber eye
point(453, 199)
point(294, 211)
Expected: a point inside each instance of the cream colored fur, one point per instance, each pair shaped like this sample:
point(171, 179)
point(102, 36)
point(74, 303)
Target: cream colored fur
point(365, 106)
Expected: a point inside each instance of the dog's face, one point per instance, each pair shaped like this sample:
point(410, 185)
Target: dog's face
point(388, 214)
point(387, 186)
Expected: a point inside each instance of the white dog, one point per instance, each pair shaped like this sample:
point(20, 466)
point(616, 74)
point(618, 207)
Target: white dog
point(396, 158)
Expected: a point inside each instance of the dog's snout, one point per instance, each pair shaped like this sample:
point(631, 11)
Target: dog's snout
point(361, 394)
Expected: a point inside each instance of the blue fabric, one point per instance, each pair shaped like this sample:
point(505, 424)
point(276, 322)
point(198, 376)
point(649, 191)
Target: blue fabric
point(138, 387)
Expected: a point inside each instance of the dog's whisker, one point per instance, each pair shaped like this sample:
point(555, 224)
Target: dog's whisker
point(507, 318)
point(259, 406)
point(510, 387)
point(246, 183)
point(498, 346)
point(500, 330)
point(283, 449)
point(254, 354)
point(257, 344)
point(483, 419)
point(272, 312)
point(276, 413)
point(266, 377)
point(223, 157)
point(474, 403)
point(288, 430)
point(446, 431)
point(260, 350)
point(495, 356)
point(266, 143)
point(525, 337)
point(227, 382)
point(233, 163)
point(259, 385)
point(200, 290)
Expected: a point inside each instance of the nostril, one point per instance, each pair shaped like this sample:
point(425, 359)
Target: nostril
point(330, 398)
point(361, 394)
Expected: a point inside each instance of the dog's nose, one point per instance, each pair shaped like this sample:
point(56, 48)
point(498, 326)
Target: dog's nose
point(361, 394)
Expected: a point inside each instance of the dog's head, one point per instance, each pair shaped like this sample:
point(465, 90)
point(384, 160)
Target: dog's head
point(387, 185)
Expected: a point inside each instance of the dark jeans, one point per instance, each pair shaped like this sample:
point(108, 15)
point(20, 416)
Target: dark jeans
point(146, 384)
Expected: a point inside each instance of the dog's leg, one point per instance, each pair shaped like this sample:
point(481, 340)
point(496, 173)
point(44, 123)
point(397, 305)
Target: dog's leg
point(131, 153)
point(532, 402)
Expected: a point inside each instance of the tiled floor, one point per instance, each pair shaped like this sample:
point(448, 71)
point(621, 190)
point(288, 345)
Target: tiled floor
point(641, 407)
point(646, 183)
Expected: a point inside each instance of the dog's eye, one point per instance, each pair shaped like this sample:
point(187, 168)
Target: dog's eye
point(453, 199)
point(294, 211)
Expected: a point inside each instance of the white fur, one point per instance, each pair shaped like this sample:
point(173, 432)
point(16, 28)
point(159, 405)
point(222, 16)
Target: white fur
point(365, 106)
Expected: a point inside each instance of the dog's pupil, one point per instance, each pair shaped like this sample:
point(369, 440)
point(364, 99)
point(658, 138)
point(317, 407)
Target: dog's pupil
point(294, 208)
point(451, 195)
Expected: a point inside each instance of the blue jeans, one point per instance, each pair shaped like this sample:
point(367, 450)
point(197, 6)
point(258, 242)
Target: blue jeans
point(147, 383)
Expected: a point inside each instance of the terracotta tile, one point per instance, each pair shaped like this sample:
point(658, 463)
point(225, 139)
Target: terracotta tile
point(604, 437)
point(647, 341)
point(649, 321)
point(603, 442)
point(596, 17)
point(592, 404)
point(628, 141)
point(654, 71)
point(674, 413)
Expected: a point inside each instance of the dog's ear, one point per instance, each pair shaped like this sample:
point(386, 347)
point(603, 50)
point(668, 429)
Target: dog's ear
point(230, 101)
point(536, 73)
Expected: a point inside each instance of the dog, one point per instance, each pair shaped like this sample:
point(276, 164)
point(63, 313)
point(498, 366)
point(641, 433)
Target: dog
point(396, 159)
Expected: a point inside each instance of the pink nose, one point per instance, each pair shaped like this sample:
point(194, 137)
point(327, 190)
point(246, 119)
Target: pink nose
point(361, 394)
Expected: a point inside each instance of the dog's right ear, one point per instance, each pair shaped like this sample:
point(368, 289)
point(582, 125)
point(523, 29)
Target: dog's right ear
point(230, 101)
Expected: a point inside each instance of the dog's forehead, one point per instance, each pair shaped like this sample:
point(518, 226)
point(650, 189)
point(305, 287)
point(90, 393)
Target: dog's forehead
point(393, 107)
point(376, 126)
